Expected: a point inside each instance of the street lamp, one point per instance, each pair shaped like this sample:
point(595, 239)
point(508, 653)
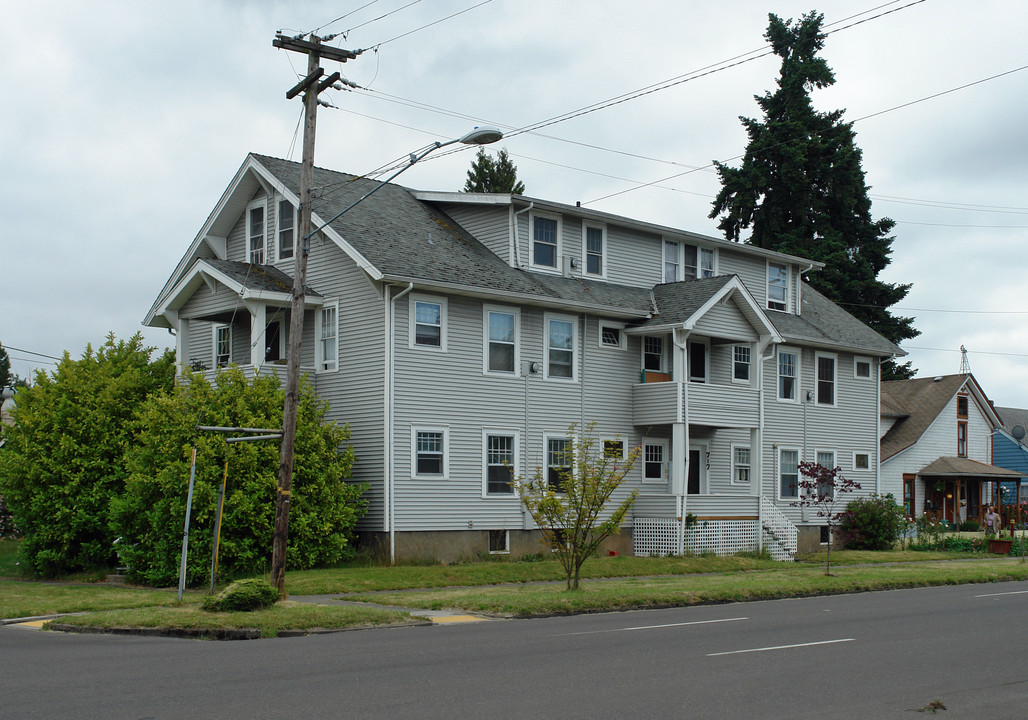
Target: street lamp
point(479, 136)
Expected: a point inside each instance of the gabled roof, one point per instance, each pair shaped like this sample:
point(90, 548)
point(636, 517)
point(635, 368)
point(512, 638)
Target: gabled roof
point(919, 401)
point(965, 467)
point(683, 304)
point(822, 322)
point(1012, 417)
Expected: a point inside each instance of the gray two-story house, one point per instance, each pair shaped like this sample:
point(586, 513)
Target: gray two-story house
point(461, 334)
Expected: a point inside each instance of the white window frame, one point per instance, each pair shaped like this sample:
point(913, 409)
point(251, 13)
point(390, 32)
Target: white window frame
point(817, 379)
point(262, 203)
point(858, 453)
point(487, 310)
point(778, 474)
point(416, 298)
point(278, 229)
point(622, 338)
point(547, 319)
point(586, 226)
point(321, 363)
point(665, 470)
point(788, 286)
point(214, 346)
point(857, 360)
point(796, 377)
point(547, 437)
point(516, 445)
point(835, 460)
point(701, 268)
point(736, 465)
point(664, 262)
point(663, 353)
point(748, 363)
point(506, 543)
point(414, 430)
point(557, 251)
point(613, 439)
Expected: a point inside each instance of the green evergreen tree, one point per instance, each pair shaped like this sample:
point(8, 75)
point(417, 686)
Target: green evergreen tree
point(493, 176)
point(801, 189)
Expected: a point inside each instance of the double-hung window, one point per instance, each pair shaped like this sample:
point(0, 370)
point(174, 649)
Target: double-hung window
point(501, 341)
point(672, 270)
point(595, 250)
point(825, 379)
point(777, 286)
point(561, 347)
point(428, 322)
point(545, 241)
point(788, 473)
point(286, 229)
point(500, 461)
point(788, 374)
point(962, 438)
point(826, 459)
point(255, 232)
point(558, 462)
point(613, 450)
point(654, 461)
point(653, 353)
point(741, 464)
point(429, 452)
point(222, 345)
point(741, 363)
point(328, 340)
point(706, 264)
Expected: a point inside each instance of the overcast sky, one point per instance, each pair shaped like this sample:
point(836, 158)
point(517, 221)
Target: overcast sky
point(123, 122)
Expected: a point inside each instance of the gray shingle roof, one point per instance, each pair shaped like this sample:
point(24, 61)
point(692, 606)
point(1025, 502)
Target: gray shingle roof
point(677, 301)
point(407, 239)
point(261, 278)
point(822, 322)
point(1012, 417)
point(917, 402)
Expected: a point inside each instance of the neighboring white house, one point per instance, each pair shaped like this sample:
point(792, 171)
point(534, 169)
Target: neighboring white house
point(937, 446)
point(461, 334)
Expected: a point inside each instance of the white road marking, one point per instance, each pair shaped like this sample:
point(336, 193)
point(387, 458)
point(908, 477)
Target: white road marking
point(1012, 592)
point(780, 647)
point(657, 627)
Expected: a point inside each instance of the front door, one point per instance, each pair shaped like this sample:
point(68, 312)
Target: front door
point(272, 342)
point(908, 494)
point(694, 472)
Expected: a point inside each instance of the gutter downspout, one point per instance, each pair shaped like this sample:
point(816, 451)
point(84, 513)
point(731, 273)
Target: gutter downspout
point(516, 257)
point(390, 352)
point(799, 284)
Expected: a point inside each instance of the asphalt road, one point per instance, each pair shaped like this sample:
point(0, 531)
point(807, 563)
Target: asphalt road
point(874, 655)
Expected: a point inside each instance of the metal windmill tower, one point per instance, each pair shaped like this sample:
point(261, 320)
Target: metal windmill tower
point(965, 366)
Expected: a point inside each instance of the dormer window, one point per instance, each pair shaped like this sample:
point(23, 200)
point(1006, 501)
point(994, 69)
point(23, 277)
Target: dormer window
point(777, 286)
point(255, 233)
point(687, 262)
point(595, 250)
point(545, 241)
point(286, 229)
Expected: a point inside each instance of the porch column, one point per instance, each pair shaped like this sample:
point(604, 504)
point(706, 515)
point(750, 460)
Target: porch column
point(181, 346)
point(680, 427)
point(258, 326)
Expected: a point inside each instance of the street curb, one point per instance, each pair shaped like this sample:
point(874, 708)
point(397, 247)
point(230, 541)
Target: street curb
point(31, 618)
point(188, 633)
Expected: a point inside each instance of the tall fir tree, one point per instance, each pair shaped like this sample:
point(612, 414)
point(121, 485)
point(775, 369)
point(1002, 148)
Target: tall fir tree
point(493, 176)
point(801, 190)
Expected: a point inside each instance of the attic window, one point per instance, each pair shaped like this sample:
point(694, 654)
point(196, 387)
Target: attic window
point(962, 406)
point(777, 286)
point(286, 229)
point(255, 233)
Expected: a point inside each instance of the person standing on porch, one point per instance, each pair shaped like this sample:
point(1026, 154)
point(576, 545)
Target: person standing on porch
point(991, 522)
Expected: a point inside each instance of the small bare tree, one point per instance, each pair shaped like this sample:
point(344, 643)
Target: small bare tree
point(821, 488)
point(568, 498)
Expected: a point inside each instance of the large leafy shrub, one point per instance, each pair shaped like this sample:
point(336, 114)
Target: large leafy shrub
point(871, 523)
point(62, 461)
point(150, 514)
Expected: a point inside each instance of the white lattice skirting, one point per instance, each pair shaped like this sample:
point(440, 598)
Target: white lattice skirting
point(659, 536)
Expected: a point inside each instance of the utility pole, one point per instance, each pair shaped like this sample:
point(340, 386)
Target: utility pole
point(311, 86)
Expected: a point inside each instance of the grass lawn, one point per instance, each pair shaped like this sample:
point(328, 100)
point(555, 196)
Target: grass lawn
point(20, 598)
point(283, 616)
point(373, 578)
point(621, 594)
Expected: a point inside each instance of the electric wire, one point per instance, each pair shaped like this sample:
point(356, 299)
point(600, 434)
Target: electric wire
point(376, 46)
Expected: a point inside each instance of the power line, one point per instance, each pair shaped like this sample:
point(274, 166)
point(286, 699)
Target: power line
point(973, 352)
point(428, 25)
point(30, 352)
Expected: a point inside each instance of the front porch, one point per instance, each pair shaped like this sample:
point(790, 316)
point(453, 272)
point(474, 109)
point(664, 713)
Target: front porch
point(960, 489)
